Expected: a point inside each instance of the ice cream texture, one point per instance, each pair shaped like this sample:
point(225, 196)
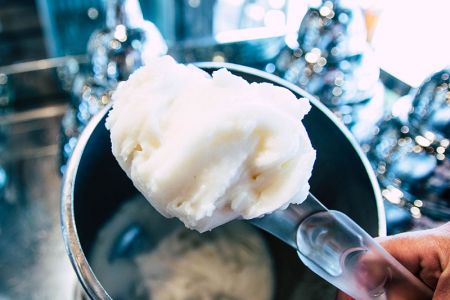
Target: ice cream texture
point(210, 149)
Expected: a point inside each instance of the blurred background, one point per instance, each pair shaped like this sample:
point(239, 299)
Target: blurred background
point(380, 66)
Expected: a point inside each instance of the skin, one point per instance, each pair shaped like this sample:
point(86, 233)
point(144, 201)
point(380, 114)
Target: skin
point(427, 255)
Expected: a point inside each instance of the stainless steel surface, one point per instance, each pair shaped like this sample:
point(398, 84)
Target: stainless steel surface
point(33, 263)
point(431, 108)
point(89, 96)
point(67, 24)
point(20, 33)
point(253, 52)
point(125, 43)
point(187, 20)
point(331, 59)
point(410, 152)
point(77, 258)
point(35, 84)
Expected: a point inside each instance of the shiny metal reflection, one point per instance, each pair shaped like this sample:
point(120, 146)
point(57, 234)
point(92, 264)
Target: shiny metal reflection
point(126, 43)
point(330, 59)
point(410, 152)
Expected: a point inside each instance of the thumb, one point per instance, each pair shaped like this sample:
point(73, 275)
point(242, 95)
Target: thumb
point(426, 255)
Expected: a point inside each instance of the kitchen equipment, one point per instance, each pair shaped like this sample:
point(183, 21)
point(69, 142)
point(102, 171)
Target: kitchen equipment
point(33, 261)
point(115, 51)
point(329, 58)
point(95, 187)
point(125, 43)
point(410, 153)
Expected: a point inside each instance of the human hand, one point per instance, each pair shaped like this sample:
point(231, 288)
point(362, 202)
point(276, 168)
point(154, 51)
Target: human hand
point(426, 254)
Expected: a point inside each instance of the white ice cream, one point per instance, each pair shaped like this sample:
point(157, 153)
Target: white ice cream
point(210, 149)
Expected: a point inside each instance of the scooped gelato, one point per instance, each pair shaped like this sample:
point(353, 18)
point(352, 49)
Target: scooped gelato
point(210, 149)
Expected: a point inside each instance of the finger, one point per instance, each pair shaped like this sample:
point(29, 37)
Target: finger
point(442, 291)
point(406, 248)
point(424, 253)
point(418, 252)
point(343, 296)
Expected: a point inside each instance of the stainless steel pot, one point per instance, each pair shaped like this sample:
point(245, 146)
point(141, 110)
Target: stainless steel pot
point(95, 187)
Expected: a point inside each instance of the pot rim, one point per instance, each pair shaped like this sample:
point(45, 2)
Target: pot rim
point(72, 243)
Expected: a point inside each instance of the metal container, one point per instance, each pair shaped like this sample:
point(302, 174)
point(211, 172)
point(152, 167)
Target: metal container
point(95, 187)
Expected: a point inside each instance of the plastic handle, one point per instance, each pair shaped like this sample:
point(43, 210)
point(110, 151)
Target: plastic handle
point(342, 253)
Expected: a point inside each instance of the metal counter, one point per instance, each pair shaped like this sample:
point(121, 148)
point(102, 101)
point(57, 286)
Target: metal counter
point(33, 261)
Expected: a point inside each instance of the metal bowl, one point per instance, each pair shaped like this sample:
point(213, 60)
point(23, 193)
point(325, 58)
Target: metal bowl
point(95, 188)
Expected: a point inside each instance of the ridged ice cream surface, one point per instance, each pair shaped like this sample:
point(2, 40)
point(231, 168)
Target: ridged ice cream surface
point(210, 149)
